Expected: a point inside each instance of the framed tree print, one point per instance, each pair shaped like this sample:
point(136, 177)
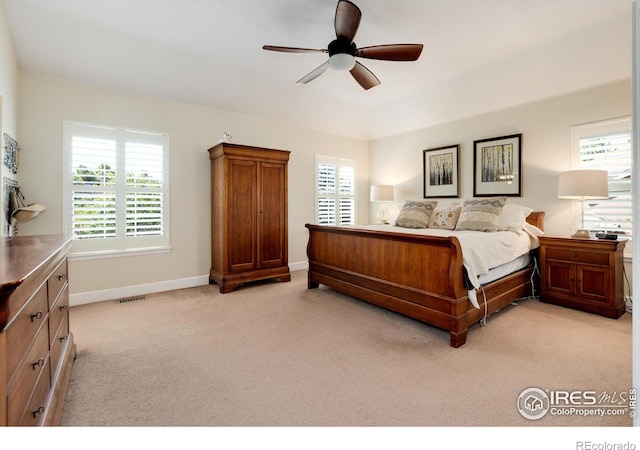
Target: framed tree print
point(497, 166)
point(441, 172)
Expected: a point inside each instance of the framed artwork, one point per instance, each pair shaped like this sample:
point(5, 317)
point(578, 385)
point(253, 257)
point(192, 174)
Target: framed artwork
point(441, 172)
point(497, 166)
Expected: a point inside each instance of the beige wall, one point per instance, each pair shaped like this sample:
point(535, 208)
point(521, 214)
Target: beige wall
point(9, 76)
point(45, 102)
point(546, 148)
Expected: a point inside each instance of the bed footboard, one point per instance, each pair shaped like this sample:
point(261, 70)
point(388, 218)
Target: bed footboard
point(421, 277)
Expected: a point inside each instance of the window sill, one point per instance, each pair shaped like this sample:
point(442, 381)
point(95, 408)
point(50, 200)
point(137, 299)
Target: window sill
point(117, 253)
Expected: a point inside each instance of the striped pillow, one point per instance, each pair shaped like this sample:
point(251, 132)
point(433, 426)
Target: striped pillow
point(415, 214)
point(481, 214)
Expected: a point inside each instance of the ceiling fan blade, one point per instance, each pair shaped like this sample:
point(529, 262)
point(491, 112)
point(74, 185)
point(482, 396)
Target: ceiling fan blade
point(347, 20)
point(315, 73)
point(391, 52)
point(364, 76)
point(276, 48)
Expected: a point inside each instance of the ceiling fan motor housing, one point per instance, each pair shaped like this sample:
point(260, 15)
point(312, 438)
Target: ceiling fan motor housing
point(342, 46)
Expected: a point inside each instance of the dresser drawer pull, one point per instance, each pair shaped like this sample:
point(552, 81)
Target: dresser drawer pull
point(37, 315)
point(38, 410)
point(38, 363)
point(62, 277)
point(64, 338)
point(63, 307)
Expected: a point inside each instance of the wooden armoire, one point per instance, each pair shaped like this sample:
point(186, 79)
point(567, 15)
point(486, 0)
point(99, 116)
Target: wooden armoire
point(248, 215)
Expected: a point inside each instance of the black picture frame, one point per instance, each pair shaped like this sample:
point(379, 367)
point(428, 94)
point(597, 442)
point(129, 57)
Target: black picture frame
point(441, 175)
point(497, 166)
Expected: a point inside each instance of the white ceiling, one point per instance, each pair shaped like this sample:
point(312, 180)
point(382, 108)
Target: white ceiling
point(479, 55)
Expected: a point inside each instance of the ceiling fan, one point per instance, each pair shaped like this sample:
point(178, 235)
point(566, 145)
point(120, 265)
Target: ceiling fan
point(343, 51)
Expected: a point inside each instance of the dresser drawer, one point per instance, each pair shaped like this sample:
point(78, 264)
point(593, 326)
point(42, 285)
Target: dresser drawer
point(23, 329)
point(35, 410)
point(33, 367)
point(57, 281)
point(58, 312)
point(600, 259)
point(60, 338)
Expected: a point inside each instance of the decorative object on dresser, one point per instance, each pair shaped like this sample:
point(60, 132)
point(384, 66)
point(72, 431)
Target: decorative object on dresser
point(585, 274)
point(36, 345)
point(441, 172)
point(583, 185)
point(497, 166)
point(249, 229)
point(382, 194)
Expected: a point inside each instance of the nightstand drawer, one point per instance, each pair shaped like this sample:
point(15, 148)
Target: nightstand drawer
point(600, 259)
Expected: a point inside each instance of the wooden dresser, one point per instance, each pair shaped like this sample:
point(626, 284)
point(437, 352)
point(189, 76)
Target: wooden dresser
point(36, 345)
point(248, 215)
point(584, 274)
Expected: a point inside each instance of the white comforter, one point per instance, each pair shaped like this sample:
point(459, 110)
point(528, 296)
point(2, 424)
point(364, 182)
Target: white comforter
point(480, 251)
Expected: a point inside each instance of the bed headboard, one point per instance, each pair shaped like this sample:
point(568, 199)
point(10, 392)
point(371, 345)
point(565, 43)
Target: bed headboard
point(536, 218)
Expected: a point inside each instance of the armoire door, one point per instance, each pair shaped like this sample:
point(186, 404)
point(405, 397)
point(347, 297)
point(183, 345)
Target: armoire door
point(272, 215)
point(242, 206)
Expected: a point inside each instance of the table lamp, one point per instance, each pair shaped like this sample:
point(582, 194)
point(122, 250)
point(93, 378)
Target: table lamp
point(583, 185)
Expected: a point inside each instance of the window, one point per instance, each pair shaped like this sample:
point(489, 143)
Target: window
point(335, 191)
point(607, 145)
point(115, 189)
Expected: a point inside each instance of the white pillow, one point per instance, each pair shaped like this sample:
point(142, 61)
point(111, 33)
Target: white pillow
point(513, 217)
point(533, 230)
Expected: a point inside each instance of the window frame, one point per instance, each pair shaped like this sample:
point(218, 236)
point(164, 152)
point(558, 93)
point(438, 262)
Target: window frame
point(337, 162)
point(609, 127)
point(121, 244)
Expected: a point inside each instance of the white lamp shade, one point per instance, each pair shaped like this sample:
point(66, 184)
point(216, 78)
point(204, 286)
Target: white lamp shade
point(583, 184)
point(382, 193)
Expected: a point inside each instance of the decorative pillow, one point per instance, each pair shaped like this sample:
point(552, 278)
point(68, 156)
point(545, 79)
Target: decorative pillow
point(513, 217)
point(415, 214)
point(481, 214)
point(445, 217)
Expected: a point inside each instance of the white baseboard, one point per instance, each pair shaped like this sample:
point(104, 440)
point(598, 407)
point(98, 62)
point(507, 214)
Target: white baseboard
point(83, 298)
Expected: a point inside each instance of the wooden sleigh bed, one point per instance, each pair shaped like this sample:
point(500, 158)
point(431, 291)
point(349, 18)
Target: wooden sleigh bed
point(421, 277)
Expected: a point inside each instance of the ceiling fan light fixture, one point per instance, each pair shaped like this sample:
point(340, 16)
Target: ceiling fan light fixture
point(342, 62)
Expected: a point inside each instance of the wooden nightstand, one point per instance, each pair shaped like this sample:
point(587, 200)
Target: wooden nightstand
point(584, 274)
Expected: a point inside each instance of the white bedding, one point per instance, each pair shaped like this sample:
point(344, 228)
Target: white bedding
point(481, 251)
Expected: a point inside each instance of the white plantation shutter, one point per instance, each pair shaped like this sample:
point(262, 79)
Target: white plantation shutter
point(335, 191)
point(115, 189)
point(607, 145)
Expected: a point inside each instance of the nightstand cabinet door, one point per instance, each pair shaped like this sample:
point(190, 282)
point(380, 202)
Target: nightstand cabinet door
point(559, 278)
point(593, 283)
point(583, 274)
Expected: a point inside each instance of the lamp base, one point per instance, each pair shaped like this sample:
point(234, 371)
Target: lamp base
point(583, 234)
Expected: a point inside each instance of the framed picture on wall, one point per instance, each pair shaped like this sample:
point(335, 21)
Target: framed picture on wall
point(497, 166)
point(441, 172)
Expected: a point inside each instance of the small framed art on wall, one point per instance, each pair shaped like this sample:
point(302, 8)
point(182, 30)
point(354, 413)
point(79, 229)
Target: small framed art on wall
point(497, 166)
point(441, 172)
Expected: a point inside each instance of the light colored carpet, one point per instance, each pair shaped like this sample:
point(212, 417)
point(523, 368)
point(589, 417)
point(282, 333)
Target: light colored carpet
point(278, 354)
